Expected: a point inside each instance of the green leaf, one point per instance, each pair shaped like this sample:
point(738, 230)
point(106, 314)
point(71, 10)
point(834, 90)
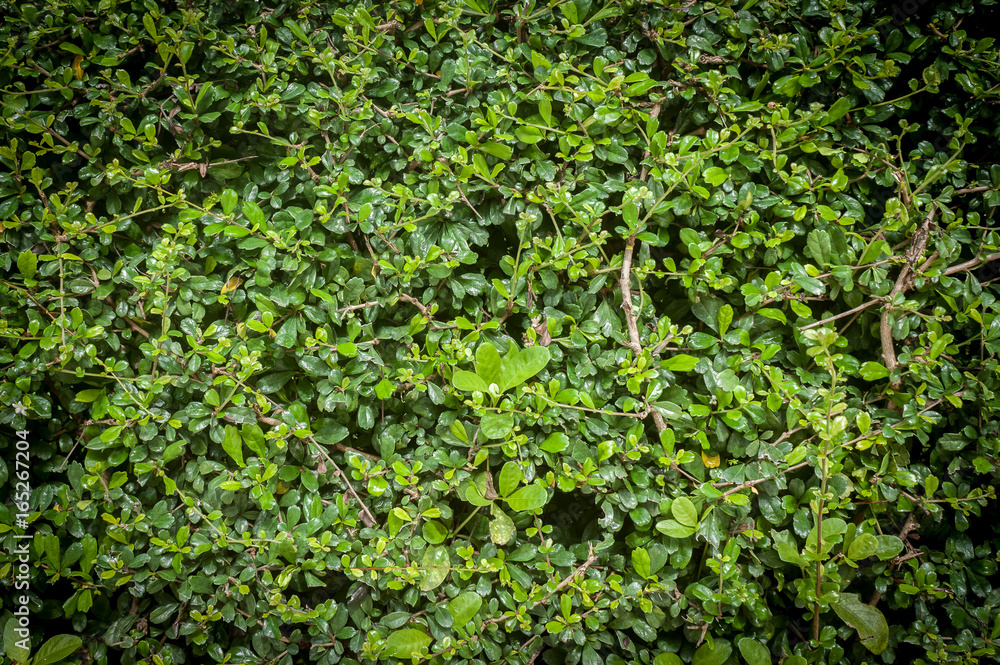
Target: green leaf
point(862, 547)
point(488, 364)
point(519, 367)
point(684, 511)
point(668, 659)
point(555, 442)
point(474, 495)
point(838, 110)
point(872, 371)
point(712, 654)
point(434, 532)
point(888, 547)
point(27, 263)
point(288, 333)
point(435, 566)
point(674, 529)
point(253, 436)
point(496, 425)
point(406, 643)
point(531, 497)
point(89, 395)
point(753, 651)
point(725, 318)
point(464, 607)
point(510, 477)
point(228, 201)
point(873, 631)
point(681, 362)
point(875, 250)
point(502, 527)
point(56, 649)
point(253, 213)
point(232, 443)
point(13, 643)
point(463, 380)
point(457, 429)
point(528, 135)
point(641, 563)
point(820, 246)
point(715, 176)
point(787, 548)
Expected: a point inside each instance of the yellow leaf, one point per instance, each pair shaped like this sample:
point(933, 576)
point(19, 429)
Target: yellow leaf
point(76, 66)
point(281, 488)
point(231, 285)
point(711, 461)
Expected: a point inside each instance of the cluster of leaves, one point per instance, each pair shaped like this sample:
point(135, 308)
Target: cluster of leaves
point(697, 300)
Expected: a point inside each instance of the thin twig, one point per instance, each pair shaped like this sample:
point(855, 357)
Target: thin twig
point(591, 559)
point(366, 515)
point(903, 283)
point(625, 283)
point(653, 114)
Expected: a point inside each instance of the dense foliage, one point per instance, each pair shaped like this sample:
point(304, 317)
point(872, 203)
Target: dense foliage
point(597, 331)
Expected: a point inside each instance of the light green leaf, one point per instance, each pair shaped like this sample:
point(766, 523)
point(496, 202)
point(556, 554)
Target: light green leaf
point(556, 442)
point(463, 380)
point(681, 362)
point(725, 318)
point(27, 264)
point(873, 631)
point(474, 495)
point(232, 443)
point(684, 511)
point(888, 547)
point(457, 429)
point(838, 110)
point(712, 654)
point(253, 436)
point(488, 364)
point(667, 659)
point(406, 643)
point(871, 371)
point(641, 563)
point(435, 567)
point(510, 477)
point(531, 497)
point(715, 176)
point(864, 546)
point(502, 527)
point(496, 425)
point(89, 395)
point(56, 649)
point(674, 529)
point(753, 651)
point(519, 367)
point(464, 607)
point(12, 649)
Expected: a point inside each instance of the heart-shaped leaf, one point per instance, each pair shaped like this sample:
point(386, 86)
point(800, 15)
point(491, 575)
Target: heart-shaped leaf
point(518, 367)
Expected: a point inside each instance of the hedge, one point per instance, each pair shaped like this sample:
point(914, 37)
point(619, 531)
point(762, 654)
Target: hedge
point(596, 331)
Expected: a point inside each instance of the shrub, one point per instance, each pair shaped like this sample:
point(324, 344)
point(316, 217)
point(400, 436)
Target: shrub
point(588, 332)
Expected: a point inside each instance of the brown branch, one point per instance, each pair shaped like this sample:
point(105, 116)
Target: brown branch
point(366, 515)
point(653, 114)
point(860, 308)
point(972, 263)
point(973, 190)
point(351, 308)
point(903, 282)
point(591, 559)
point(416, 303)
point(625, 283)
